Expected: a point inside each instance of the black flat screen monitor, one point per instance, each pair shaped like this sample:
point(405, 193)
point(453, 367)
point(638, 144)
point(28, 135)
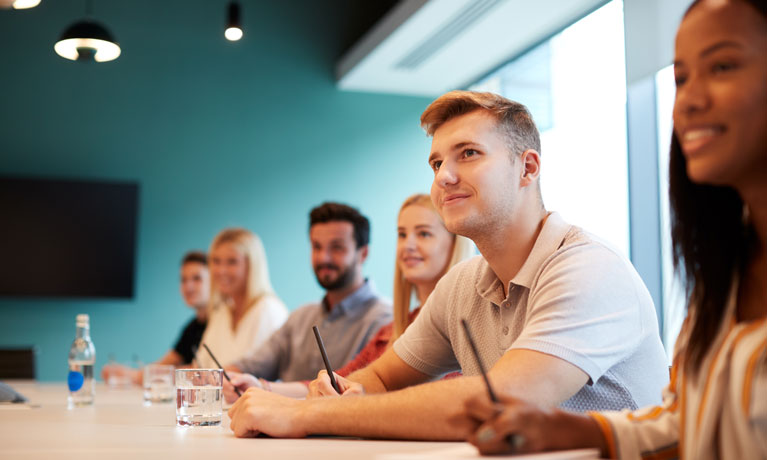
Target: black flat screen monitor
point(67, 238)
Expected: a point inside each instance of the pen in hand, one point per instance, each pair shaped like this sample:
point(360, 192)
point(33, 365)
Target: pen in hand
point(325, 358)
point(236, 390)
point(515, 441)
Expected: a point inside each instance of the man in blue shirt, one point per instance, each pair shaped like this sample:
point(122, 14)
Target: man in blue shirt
point(348, 316)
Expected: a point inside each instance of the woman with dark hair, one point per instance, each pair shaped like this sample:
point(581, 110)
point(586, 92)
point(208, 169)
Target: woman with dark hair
point(716, 403)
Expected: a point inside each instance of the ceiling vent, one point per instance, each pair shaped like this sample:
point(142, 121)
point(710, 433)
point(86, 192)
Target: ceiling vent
point(428, 47)
point(462, 21)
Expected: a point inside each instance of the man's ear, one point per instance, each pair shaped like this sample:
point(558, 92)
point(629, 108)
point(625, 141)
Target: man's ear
point(364, 250)
point(531, 167)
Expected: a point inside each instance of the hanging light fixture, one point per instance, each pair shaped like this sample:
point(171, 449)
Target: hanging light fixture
point(87, 40)
point(19, 4)
point(233, 30)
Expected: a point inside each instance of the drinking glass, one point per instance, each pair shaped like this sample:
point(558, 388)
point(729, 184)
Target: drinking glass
point(158, 383)
point(198, 397)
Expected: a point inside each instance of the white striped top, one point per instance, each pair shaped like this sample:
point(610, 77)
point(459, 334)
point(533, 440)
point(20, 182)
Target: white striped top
point(720, 412)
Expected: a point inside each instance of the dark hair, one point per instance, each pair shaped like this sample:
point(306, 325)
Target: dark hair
point(337, 212)
point(196, 257)
point(710, 245)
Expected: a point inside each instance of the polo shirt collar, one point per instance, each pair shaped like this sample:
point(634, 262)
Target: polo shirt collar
point(354, 301)
point(549, 239)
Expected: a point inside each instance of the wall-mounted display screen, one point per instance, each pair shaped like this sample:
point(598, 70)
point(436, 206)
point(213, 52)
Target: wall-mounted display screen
point(67, 238)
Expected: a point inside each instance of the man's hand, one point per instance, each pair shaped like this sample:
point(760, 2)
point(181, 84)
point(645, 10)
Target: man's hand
point(242, 382)
point(321, 386)
point(259, 411)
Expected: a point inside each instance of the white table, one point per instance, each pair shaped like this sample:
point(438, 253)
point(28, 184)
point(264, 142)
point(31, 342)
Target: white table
point(118, 426)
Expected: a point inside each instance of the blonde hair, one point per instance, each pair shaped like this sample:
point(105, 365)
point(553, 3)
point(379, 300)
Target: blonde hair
point(463, 248)
point(257, 284)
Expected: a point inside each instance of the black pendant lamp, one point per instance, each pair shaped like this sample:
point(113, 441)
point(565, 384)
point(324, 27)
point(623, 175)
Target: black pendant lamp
point(87, 40)
point(233, 30)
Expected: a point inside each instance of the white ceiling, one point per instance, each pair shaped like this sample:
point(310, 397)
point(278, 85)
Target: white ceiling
point(428, 47)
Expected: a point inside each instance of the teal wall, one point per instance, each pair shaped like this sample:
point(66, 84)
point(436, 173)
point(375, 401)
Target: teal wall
point(217, 134)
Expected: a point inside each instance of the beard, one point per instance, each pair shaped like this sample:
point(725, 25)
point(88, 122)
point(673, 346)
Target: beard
point(343, 279)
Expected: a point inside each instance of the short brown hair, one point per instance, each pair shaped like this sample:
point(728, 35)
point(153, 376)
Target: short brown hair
point(514, 120)
point(196, 257)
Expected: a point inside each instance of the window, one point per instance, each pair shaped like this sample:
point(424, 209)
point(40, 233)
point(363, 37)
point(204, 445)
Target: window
point(673, 290)
point(574, 85)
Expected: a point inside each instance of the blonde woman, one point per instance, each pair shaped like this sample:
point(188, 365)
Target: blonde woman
point(244, 310)
point(425, 252)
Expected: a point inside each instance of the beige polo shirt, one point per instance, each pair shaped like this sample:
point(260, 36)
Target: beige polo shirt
point(575, 298)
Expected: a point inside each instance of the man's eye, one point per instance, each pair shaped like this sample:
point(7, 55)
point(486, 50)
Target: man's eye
point(469, 153)
point(424, 234)
point(436, 164)
point(400, 235)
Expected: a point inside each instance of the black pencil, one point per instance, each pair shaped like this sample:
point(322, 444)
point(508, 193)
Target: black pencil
point(325, 358)
point(474, 350)
point(514, 440)
point(236, 390)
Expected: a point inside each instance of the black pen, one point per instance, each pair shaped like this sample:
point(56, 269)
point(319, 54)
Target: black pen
point(236, 390)
point(514, 440)
point(325, 358)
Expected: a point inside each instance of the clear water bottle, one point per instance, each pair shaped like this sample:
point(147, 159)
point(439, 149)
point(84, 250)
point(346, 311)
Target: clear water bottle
point(82, 356)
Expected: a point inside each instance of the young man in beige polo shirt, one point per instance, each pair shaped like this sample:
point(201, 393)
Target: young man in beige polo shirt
point(560, 318)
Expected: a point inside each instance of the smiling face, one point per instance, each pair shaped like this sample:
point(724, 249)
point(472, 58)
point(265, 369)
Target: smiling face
point(475, 176)
point(195, 284)
point(424, 245)
point(229, 268)
point(720, 112)
point(336, 260)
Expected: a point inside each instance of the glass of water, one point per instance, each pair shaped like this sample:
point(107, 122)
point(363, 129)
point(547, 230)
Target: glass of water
point(199, 397)
point(158, 383)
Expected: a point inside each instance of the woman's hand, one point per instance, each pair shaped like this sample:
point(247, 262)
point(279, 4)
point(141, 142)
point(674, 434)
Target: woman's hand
point(241, 382)
point(514, 426)
point(117, 373)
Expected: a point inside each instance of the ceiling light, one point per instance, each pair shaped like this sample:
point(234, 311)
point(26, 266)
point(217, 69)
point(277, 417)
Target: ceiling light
point(87, 40)
point(19, 4)
point(233, 30)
